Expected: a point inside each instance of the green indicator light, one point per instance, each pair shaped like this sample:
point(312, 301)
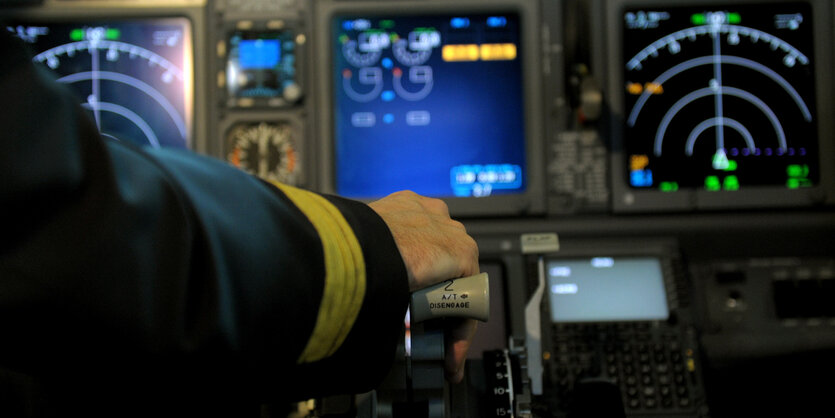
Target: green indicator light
point(112, 34)
point(387, 24)
point(712, 183)
point(698, 19)
point(77, 34)
point(793, 183)
point(668, 186)
point(732, 165)
point(794, 170)
point(343, 38)
point(731, 183)
point(734, 18)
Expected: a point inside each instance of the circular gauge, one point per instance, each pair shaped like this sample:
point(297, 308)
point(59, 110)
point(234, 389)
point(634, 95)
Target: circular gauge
point(720, 99)
point(128, 75)
point(264, 149)
point(417, 48)
point(367, 49)
point(357, 58)
point(400, 50)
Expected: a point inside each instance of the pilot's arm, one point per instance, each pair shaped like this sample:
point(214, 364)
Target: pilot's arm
point(160, 270)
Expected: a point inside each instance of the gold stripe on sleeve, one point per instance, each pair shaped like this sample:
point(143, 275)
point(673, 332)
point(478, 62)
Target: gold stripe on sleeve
point(344, 288)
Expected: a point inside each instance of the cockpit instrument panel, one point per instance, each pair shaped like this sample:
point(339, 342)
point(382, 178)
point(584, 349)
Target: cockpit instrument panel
point(717, 105)
point(432, 103)
point(434, 97)
point(261, 66)
point(720, 98)
point(134, 76)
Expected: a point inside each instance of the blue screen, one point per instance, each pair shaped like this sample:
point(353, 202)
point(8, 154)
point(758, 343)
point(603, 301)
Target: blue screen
point(259, 53)
point(433, 104)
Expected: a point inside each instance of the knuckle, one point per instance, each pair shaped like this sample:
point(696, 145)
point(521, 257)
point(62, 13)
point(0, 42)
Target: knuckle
point(404, 193)
point(458, 225)
point(435, 205)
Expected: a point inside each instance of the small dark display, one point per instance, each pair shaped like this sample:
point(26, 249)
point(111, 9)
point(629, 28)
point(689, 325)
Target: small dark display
point(262, 65)
point(133, 76)
point(430, 103)
point(720, 97)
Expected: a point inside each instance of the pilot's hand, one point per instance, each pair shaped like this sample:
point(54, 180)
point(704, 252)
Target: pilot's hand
point(434, 248)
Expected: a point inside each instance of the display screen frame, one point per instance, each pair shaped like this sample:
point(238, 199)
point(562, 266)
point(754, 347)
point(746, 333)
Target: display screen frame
point(297, 79)
point(532, 199)
point(648, 305)
point(196, 103)
point(629, 199)
point(665, 250)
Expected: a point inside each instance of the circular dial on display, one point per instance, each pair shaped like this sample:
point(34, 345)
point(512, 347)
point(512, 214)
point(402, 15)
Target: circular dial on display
point(367, 49)
point(264, 149)
point(719, 98)
point(417, 47)
point(129, 75)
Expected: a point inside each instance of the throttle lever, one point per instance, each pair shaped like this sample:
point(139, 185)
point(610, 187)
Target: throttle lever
point(466, 297)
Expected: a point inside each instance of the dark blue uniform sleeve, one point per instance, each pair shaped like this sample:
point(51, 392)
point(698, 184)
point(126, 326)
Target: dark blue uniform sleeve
point(149, 272)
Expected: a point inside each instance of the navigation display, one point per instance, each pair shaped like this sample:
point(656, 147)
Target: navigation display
point(720, 98)
point(603, 289)
point(429, 103)
point(133, 76)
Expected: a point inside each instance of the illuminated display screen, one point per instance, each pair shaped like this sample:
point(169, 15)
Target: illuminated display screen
point(604, 289)
point(431, 103)
point(720, 98)
point(262, 64)
point(133, 76)
point(259, 54)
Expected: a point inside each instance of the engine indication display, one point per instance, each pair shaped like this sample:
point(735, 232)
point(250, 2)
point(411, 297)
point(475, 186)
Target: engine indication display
point(133, 76)
point(720, 98)
point(432, 103)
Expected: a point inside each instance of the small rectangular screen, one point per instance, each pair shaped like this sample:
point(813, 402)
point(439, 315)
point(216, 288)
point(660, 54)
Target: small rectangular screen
point(262, 64)
point(605, 289)
point(259, 53)
point(720, 98)
point(134, 77)
point(430, 103)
